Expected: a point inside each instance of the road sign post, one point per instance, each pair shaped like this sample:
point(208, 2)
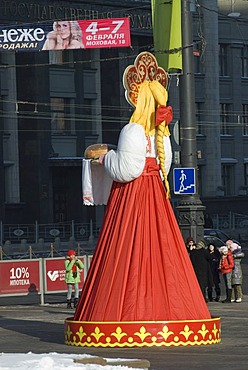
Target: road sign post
point(190, 209)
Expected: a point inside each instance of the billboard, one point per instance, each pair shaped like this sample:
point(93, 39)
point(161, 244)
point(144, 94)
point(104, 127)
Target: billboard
point(62, 35)
point(20, 277)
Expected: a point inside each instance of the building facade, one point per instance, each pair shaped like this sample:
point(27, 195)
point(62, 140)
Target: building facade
point(221, 104)
point(56, 103)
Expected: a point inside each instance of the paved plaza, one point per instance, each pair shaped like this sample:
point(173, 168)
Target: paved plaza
point(27, 326)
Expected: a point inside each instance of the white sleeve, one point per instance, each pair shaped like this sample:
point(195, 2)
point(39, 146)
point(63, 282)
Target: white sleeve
point(128, 161)
point(168, 154)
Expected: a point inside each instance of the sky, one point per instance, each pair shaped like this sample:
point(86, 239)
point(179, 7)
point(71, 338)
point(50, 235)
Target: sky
point(51, 361)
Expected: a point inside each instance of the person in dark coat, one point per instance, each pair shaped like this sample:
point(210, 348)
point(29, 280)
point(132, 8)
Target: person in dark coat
point(190, 244)
point(214, 259)
point(200, 261)
point(208, 222)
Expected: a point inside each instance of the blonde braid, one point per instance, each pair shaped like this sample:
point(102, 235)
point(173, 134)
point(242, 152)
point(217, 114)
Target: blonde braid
point(152, 94)
point(161, 154)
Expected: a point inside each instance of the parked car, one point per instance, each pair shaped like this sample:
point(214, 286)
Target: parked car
point(217, 237)
point(208, 239)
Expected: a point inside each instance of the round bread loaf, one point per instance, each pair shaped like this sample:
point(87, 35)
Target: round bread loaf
point(94, 151)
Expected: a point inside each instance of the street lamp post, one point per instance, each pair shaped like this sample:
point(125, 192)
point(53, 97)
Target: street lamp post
point(190, 209)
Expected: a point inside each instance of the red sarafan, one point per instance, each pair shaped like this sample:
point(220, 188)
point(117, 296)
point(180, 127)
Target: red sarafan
point(141, 269)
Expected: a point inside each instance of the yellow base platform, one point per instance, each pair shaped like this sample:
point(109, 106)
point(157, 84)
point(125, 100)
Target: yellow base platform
point(142, 334)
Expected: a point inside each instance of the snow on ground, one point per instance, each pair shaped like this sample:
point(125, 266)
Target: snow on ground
point(51, 361)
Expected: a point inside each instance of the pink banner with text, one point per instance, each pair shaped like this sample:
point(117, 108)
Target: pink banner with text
point(62, 35)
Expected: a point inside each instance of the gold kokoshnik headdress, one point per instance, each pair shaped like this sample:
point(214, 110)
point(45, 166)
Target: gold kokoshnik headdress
point(145, 89)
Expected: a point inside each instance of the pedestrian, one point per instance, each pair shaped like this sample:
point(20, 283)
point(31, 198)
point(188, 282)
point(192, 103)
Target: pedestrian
point(208, 222)
point(190, 244)
point(237, 275)
point(226, 267)
point(200, 261)
point(214, 259)
point(73, 268)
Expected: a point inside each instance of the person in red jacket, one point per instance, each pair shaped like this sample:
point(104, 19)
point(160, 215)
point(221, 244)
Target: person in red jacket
point(226, 266)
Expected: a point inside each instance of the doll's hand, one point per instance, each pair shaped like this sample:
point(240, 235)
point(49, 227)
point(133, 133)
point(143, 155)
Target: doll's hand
point(101, 158)
point(95, 161)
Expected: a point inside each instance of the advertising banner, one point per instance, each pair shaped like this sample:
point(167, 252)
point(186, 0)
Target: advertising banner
point(54, 274)
point(61, 35)
point(20, 277)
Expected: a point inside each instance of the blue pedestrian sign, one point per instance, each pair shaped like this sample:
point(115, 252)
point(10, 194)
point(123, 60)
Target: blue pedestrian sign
point(184, 181)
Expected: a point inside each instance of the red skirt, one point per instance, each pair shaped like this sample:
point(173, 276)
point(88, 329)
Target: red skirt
point(141, 270)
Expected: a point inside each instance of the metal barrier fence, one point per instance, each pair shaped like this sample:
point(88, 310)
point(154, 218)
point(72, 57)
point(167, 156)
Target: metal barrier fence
point(231, 221)
point(32, 233)
point(45, 240)
point(30, 252)
point(234, 225)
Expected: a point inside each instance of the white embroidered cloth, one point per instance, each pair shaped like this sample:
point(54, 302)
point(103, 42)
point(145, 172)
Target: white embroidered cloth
point(96, 184)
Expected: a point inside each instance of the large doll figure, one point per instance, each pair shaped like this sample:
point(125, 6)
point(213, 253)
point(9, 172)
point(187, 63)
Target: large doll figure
point(140, 270)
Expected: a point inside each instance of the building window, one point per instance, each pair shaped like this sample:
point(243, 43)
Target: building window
point(60, 122)
point(198, 118)
point(55, 57)
point(227, 175)
point(245, 119)
point(225, 119)
point(244, 61)
point(223, 58)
